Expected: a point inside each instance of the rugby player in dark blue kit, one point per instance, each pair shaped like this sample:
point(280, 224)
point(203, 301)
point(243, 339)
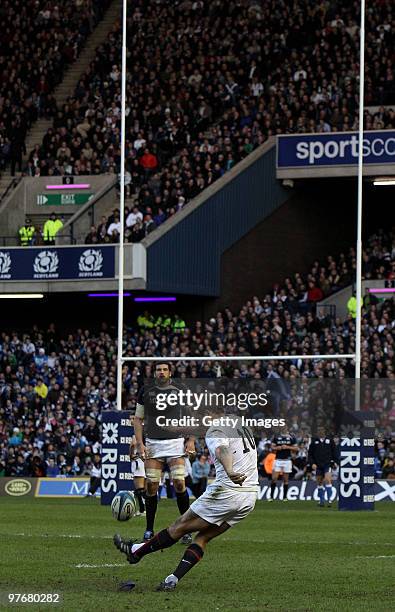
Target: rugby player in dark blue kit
point(283, 444)
point(323, 458)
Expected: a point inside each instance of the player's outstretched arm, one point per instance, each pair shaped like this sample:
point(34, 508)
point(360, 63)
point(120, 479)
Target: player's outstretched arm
point(225, 457)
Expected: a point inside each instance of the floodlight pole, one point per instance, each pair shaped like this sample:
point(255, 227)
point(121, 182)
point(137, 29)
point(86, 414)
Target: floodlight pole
point(122, 211)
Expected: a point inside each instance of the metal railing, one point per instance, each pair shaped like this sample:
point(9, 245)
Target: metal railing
point(327, 310)
point(6, 241)
point(11, 185)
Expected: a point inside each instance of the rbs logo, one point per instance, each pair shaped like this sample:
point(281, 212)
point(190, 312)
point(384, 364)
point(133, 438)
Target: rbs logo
point(350, 467)
point(109, 457)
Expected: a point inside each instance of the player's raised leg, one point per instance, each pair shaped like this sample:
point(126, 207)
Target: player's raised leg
point(188, 522)
point(192, 555)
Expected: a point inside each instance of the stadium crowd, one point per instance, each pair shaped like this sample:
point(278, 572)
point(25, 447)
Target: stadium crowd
point(211, 84)
point(39, 39)
point(53, 387)
point(208, 82)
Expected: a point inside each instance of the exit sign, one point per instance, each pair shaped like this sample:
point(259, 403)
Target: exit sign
point(63, 199)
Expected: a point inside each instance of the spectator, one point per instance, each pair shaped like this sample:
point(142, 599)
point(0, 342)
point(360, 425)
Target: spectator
point(145, 321)
point(211, 103)
point(37, 44)
point(352, 306)
point(91, 238)
point(51, 227)
point(178, 324)
point(17, 146)
point(52, 469)
point(16, 437)
point(27, 233)
point(59, 415)
point(41, 388)
point(388, 471)
point(137, 233)
point(95, 476)
point(114, 229)
point(200, 472)
point(133, 217)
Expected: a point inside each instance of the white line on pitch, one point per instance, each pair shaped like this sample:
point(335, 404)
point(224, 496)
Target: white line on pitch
point(312, 542)
point(57, 535)
point(378, 557)
point(88, 566)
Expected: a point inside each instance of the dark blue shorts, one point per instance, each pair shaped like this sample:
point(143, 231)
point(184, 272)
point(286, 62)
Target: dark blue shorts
point(323, 469)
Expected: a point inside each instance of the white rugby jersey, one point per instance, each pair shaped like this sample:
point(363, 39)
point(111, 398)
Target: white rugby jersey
point(243, 452)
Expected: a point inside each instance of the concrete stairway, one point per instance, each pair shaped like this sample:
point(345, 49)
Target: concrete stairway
point(69, 82)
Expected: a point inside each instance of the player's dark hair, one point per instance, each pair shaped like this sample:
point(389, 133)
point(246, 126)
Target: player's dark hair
point(166, 363)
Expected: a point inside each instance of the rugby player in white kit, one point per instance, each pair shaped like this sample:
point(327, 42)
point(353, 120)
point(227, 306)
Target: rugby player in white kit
point(228, 500)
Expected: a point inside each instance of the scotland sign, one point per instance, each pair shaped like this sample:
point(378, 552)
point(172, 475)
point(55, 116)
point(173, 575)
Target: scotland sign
point(49, 263)
point(337, 151)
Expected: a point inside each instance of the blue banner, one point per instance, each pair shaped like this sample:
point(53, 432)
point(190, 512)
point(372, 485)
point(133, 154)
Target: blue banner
point(299, 490)
point(117, 432)
point(63, 487)
point(335, 149)
point(53, 263)
point(306, 490)
point(356, 467)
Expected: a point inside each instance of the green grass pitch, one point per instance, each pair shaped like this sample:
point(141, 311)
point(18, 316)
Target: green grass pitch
point(284, 557)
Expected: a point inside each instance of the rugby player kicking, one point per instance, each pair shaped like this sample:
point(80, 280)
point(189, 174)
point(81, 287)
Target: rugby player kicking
point(225, 503)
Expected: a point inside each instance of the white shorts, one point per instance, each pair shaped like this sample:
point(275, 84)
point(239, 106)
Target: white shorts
point(283, 465)
point(138, 469)
point(220, 504)
point(164, 449)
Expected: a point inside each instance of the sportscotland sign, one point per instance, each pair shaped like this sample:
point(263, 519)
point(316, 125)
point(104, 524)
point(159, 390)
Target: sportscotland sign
point(63, 263)
point(333, 150)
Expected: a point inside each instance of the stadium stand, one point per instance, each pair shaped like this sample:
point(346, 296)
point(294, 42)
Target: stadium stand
point(39, 41)
point(219, 79)
point(53, 388)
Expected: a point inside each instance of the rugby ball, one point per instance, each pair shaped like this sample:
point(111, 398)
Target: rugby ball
point(124, 506)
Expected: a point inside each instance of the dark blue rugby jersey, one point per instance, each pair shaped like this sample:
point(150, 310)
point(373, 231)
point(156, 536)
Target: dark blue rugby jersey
point(279, 441)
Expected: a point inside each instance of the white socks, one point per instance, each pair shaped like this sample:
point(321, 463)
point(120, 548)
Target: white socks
point(137, 546)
